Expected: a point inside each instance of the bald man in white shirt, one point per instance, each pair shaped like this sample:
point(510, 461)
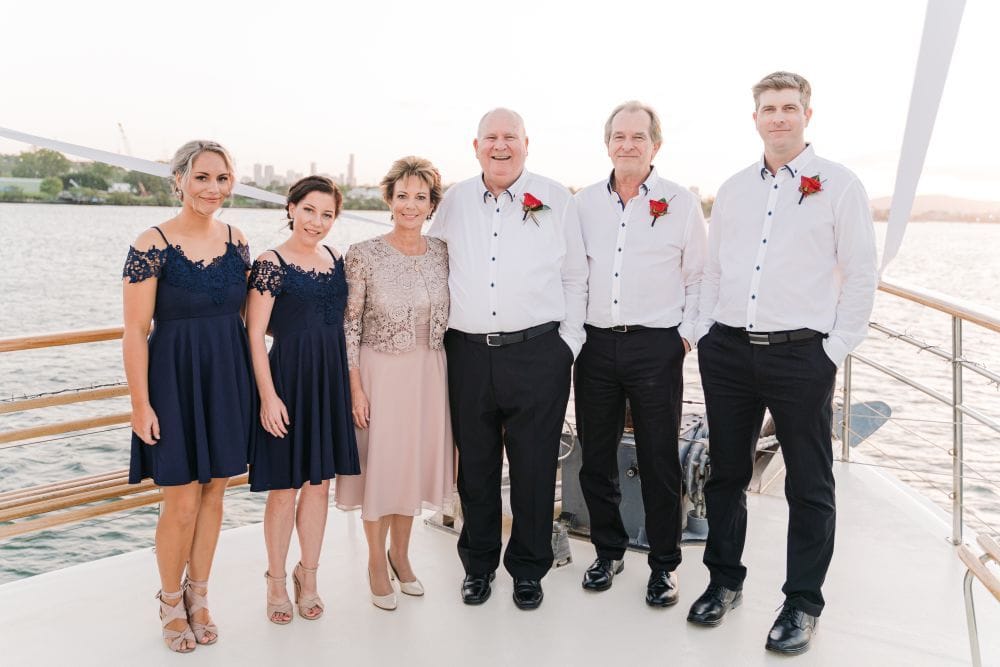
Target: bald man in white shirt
point(787, 291)
point(518, 283)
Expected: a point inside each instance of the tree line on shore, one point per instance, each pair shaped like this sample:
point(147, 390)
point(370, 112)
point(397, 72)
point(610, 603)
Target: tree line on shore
point(64, 181)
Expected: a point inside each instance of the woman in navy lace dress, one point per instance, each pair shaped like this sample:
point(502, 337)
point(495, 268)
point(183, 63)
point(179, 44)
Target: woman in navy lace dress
point(306, 436)
point(189, 380)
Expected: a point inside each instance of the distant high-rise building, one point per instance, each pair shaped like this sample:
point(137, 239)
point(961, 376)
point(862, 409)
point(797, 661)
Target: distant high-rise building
point(258, 174)
point(291, 176)
point(350, 172)
point(268, 175)
point(312, 168)
point(340, 180)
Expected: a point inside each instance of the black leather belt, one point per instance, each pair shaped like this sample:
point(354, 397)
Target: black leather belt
point(504, 338)
point(619, 328)
point(769, 338)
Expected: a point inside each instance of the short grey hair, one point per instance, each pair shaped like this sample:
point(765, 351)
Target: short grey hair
point(482, 121)
point(655, 133)
point(783, 81)
point(180, 165)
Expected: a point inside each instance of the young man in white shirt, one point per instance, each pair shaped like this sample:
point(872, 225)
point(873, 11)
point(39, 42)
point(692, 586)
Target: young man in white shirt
point(518, 283)
point(787, 292)
point(645, 238)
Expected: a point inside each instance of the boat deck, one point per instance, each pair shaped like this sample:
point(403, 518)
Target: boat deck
point(894, 597)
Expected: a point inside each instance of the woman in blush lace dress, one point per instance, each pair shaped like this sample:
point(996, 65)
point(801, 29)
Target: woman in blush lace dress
point(397, 313)
point(306, 435)
point(189, 380)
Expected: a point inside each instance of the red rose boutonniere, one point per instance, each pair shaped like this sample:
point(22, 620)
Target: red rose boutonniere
point(809, 185)
point(532, 205)
point(659, 208)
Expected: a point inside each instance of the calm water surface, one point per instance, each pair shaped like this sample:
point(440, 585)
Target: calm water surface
point(60, 269)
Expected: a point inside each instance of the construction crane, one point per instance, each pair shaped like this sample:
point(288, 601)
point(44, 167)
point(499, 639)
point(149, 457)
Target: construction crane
point(127, 147)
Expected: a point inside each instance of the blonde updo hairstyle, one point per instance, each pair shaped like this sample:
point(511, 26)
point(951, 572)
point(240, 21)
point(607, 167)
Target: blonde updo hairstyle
point(180, 166)
point(412, 165)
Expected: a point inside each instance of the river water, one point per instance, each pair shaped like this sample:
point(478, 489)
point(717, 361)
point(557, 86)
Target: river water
point(60, 269)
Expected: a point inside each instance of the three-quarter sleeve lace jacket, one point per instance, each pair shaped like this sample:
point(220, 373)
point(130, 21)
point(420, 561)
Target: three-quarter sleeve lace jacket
point(382, 283)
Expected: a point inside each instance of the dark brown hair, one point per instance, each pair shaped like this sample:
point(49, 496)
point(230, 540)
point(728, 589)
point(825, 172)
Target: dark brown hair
point(302, 187)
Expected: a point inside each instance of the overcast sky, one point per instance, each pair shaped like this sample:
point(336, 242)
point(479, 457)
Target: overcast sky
point(289, 83)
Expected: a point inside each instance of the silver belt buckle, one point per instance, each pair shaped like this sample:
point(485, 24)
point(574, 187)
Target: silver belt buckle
point(758, 338)
point(489, 343)
point(620, 328)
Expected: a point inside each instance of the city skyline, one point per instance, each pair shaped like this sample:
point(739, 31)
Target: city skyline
point(418, 83)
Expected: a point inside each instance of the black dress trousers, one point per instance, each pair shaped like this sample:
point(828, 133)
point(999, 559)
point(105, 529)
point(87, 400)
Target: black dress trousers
point(511, 397)
point(794, 381)
point(646, 367)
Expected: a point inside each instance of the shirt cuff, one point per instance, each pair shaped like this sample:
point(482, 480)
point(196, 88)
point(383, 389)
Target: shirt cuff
point(836, 350)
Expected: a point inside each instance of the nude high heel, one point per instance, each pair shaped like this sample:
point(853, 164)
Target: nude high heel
point(175, 640)
point(196, 601)
point(284, 607)
point(306, 602)
point(414, 587)
point(387, 602)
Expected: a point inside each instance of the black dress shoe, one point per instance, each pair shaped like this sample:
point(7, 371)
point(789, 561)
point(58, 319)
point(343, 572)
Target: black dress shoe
point(599, 575)
point(791, 631)
point(661, 589)
point(528, 593)
point(713, 605)
point(476, 588)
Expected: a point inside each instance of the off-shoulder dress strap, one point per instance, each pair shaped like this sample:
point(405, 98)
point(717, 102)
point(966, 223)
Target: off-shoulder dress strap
point(162, 235)
point(281, 259)
point(230, 227)
point(331, 253)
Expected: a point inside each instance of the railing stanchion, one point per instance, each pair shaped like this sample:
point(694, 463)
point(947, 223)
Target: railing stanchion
point(845, 435)
point(957, 442)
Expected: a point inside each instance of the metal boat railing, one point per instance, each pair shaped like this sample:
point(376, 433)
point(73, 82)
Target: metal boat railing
point(959, 312)
point(39, 507)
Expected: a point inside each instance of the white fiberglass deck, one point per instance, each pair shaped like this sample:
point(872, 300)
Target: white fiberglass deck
point(893, 598)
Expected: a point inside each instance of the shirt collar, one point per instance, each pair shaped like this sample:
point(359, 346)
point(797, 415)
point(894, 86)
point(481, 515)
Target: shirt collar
point(646, 186)
point(794, 167)
point(512, 192)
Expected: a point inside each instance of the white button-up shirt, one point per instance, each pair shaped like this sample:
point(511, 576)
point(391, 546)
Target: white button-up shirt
point(507, 273)
point(778, 260)
point(643, 271)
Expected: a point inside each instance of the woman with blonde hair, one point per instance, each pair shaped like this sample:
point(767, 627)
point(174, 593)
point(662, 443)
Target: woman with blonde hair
point(189, 380)
point(397, 313)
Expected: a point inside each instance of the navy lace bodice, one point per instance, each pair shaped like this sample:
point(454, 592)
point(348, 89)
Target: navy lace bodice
point(303, 298)
point(189, 288)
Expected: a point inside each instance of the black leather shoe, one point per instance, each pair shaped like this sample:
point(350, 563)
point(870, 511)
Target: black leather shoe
point(476, 588)
point(528, 593)
point(661, 589)
point(713, 605)
point(791, 631)
point(598, 576)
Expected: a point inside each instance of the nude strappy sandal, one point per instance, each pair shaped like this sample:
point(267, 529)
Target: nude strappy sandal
point(196, 601)
point(306, 602)
point(284, 607)
point(174, 639)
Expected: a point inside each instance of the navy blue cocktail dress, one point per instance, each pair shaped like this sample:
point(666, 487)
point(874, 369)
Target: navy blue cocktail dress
point(200, 384)
point(308, 361)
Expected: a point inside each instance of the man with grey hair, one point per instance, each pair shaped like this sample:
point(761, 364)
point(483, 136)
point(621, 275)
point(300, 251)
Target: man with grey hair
point(787, 292)
point(645, 238)
point(518, 282)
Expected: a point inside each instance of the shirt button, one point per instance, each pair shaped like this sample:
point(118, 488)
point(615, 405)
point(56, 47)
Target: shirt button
point(764, 241)
point(619, 249)
point(492, 284)
point(494, 312)
point(498, 210)
point(616, 300)
point(493, 259)
point(616, 275)
point(623, 224)
point(775, 187)
point(769, 213)
point(758, 268)
point(749, 326)
point(494, 233)
point(753, 296)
